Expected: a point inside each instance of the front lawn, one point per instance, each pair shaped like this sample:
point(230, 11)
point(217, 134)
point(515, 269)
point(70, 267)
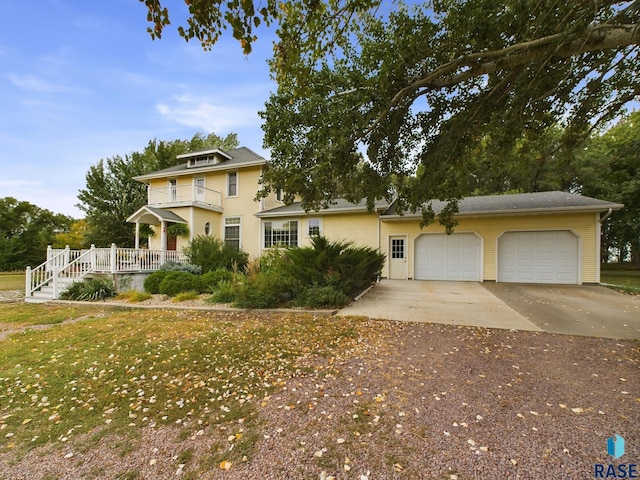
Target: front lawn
point(11, 281)
point(628, 279)
point(120, 371)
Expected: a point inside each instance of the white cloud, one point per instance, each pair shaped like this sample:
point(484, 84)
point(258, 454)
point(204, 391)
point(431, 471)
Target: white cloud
point(39, 85)
point(208, 114)
point(18, 183)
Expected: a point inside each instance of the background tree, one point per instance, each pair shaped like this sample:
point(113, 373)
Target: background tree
point(610, 168)
point(25, 232)
point(75, 237)
point(112, 195)
point(416, 90)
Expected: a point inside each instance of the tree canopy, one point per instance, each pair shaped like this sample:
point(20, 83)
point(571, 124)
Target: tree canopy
point(25, 232)
point(609, 167)
point(112, 195)
point(378, 103)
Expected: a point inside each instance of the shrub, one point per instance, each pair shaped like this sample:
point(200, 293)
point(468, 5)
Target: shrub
point(321, 297)
point(226, 292)
point(211, 253)
point(178, 282)
point(180, 267)
point(209, 281)
point(339, 264)
point(91, 289)
point(267, 289)
point(152, 282)
point(264, 290)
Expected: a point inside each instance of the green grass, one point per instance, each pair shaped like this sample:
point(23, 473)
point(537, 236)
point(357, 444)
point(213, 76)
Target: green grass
point(25, 314)
point(12, 281)
point(629, 280)
point(122, 371)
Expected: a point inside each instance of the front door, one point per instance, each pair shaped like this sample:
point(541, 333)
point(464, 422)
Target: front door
point(199, 189)
point(398, 257)
point(172, 242)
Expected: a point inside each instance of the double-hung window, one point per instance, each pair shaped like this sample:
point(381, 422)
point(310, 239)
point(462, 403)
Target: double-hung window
point(314, 227)
point(232, 232)
point(232, 184)
point(281, 233)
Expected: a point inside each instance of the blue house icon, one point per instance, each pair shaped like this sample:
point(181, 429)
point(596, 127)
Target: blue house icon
point(615, 446)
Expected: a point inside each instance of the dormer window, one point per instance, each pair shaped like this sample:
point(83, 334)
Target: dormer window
point(204, 158)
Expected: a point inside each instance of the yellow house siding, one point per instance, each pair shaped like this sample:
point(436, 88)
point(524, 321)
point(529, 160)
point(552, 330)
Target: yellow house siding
point(583, 225)
point(360, 228)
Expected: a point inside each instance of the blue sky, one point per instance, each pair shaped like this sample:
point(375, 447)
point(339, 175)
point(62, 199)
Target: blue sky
point(82, 80)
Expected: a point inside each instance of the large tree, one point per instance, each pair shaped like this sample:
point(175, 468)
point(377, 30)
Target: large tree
point(374, 103)
point(112, 195)
point(25, 232)
point(609, 167)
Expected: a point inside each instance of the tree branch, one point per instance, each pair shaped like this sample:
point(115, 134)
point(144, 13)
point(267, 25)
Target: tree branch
point(598, 37)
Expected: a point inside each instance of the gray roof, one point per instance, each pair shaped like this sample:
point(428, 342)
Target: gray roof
point(340, 205)
point(519, 203)
point(158, 213)
point(240, 157)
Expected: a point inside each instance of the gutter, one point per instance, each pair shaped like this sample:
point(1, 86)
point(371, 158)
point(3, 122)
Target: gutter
point(539, 210)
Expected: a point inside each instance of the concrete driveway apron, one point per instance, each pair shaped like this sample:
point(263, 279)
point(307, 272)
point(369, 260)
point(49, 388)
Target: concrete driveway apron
point(453, 303)
point(574, 309)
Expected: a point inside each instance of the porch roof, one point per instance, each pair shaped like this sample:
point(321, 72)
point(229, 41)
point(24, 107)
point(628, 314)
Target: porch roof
point(154, 216)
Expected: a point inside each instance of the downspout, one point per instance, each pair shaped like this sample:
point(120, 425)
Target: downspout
point(607, 215)
point(599, 243)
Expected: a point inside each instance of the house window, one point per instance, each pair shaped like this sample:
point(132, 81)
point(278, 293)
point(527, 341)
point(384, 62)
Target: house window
point(232, 232)
point(232, 184)
point(173, 190)
point(279, 195)
point(207, 228)
point(281, 233)
point(314, 227)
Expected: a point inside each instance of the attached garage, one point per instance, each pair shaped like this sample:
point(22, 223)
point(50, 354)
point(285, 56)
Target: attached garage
point(448, 257)
point(538, 257)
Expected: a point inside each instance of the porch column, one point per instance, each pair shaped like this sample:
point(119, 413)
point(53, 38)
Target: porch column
point(163, 242)
point(137, 235)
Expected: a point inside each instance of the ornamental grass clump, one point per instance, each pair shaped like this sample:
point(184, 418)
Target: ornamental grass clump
point(91, 289)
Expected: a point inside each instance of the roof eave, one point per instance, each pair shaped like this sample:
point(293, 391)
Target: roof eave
point(345, 210)
point(191, 171)
point(204, 152)
point(524, 211)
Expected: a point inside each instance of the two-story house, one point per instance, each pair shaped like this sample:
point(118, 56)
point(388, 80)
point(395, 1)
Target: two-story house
point(545, 237)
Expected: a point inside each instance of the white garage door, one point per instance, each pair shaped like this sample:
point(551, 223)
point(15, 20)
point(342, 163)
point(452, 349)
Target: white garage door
point(448, 257)
point(538, 257)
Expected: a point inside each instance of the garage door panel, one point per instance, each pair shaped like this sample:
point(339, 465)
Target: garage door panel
point(448, 257)
point(538, 257)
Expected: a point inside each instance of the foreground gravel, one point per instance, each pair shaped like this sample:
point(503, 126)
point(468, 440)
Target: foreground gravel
point(415, 401)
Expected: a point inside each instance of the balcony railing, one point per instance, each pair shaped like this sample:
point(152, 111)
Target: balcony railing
point(184, 195)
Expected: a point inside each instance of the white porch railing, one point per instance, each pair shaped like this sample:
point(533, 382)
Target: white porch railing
point(73, 265)
point(191, 194)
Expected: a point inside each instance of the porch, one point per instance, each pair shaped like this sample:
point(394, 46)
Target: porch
point(65, 266)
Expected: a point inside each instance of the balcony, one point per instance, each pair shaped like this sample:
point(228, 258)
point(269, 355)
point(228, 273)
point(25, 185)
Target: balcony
point(185, 196)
